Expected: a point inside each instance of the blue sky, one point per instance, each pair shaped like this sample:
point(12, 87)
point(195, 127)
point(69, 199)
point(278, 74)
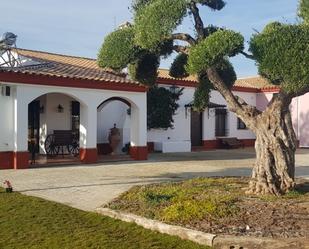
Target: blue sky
point(78, 27)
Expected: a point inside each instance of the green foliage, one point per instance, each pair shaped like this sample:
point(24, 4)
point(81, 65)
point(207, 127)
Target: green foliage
point(210, 30)
point(156, 21)
point(226, 71)
point(31, 223)
point(184, 211)
point(213, 4)
point(161, 107)
point(118, 49)
point(282, 53)
point(145, 68)
point(202, 94)
point(178, 67)
point(303, 11)
point(213, 49)
point(139, 4)
point(165, 48)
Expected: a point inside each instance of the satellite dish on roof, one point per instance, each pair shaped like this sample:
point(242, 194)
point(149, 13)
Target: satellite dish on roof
point(8, 39)
point(8, 54)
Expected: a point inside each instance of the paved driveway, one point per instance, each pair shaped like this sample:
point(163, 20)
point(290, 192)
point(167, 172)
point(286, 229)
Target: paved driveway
point(87, 187)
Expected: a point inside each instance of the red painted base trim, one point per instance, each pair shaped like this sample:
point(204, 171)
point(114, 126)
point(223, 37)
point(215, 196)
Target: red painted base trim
point(211, 144)
point(248, 142)
point(88, 155)
point(215, 144)
point(104, 149)
point(139, 152)
point(14, 160)
point(21, 160)
point(150, 146)
point(7, 160)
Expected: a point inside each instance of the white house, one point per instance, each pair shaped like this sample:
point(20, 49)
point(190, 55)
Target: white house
point(45, 93)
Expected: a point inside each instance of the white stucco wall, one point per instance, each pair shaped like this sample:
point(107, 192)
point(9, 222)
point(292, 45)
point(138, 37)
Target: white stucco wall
point(15, 127)
point(56, 120)
point(181, 130)
point(209, 117)
point(95, 125)
point(7, 121)
point(250, 99)
point(114, 112)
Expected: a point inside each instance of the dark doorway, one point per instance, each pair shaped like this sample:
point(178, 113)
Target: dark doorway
point(34, 126)
point(75, 116)
point(196, 128)
point(221, 130)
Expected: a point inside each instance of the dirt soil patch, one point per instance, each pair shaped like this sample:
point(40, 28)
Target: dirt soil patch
point(220, 206)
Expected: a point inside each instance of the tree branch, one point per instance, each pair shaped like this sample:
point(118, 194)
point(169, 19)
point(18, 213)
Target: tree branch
point(301, 92)
point(183, 37)
point(181, 49)
point(199, 25)
point(235, 104)
point(249, 56)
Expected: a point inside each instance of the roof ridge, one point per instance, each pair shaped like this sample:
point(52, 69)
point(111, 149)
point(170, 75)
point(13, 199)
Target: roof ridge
point(52, 53)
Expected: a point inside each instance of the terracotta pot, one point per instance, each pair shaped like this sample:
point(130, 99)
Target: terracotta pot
point(114, 139)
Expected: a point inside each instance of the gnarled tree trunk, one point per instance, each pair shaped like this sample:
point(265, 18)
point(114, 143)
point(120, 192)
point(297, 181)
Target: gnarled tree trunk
point(275, 146)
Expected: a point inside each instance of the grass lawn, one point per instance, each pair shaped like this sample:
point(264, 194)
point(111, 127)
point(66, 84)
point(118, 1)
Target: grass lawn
point(29, 222)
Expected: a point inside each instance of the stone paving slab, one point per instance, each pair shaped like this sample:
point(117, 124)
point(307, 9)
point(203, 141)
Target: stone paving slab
point(89, 186)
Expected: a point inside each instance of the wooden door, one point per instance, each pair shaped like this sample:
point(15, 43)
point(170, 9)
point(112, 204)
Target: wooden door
point(34, 126)
point(196, 128)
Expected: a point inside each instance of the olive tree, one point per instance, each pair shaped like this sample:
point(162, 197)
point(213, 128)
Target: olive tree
point(281, 52)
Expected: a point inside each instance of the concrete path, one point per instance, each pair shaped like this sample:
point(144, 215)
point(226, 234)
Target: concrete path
point(90, 186)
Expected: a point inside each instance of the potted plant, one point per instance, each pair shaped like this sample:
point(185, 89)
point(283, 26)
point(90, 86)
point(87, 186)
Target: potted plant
point(8, 186)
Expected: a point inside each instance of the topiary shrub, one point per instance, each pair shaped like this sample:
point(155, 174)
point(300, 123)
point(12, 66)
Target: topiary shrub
point(118, 49)
point(213, 49)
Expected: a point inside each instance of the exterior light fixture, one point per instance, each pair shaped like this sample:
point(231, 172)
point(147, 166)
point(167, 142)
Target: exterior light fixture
point(60, 108)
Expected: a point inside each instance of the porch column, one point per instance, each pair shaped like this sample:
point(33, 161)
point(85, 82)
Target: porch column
point(7, 143)
point(20, 153)
point(138, 148)
point(88, 134)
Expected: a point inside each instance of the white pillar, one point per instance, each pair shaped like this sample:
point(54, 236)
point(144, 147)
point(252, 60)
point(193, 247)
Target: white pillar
point(88, 133)
point(138, 127)
point(138, 148)
point(21, 155)
point(20, 123)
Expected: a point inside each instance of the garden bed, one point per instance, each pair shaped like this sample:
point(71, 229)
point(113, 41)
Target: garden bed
point(220, 206)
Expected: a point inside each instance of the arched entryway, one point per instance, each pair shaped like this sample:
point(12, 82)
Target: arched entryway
point(57, 103)
point(123, 115)
point(54, 123)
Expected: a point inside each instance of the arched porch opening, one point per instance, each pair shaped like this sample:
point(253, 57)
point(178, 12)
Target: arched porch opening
point(54, 129)
point(119, 132)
